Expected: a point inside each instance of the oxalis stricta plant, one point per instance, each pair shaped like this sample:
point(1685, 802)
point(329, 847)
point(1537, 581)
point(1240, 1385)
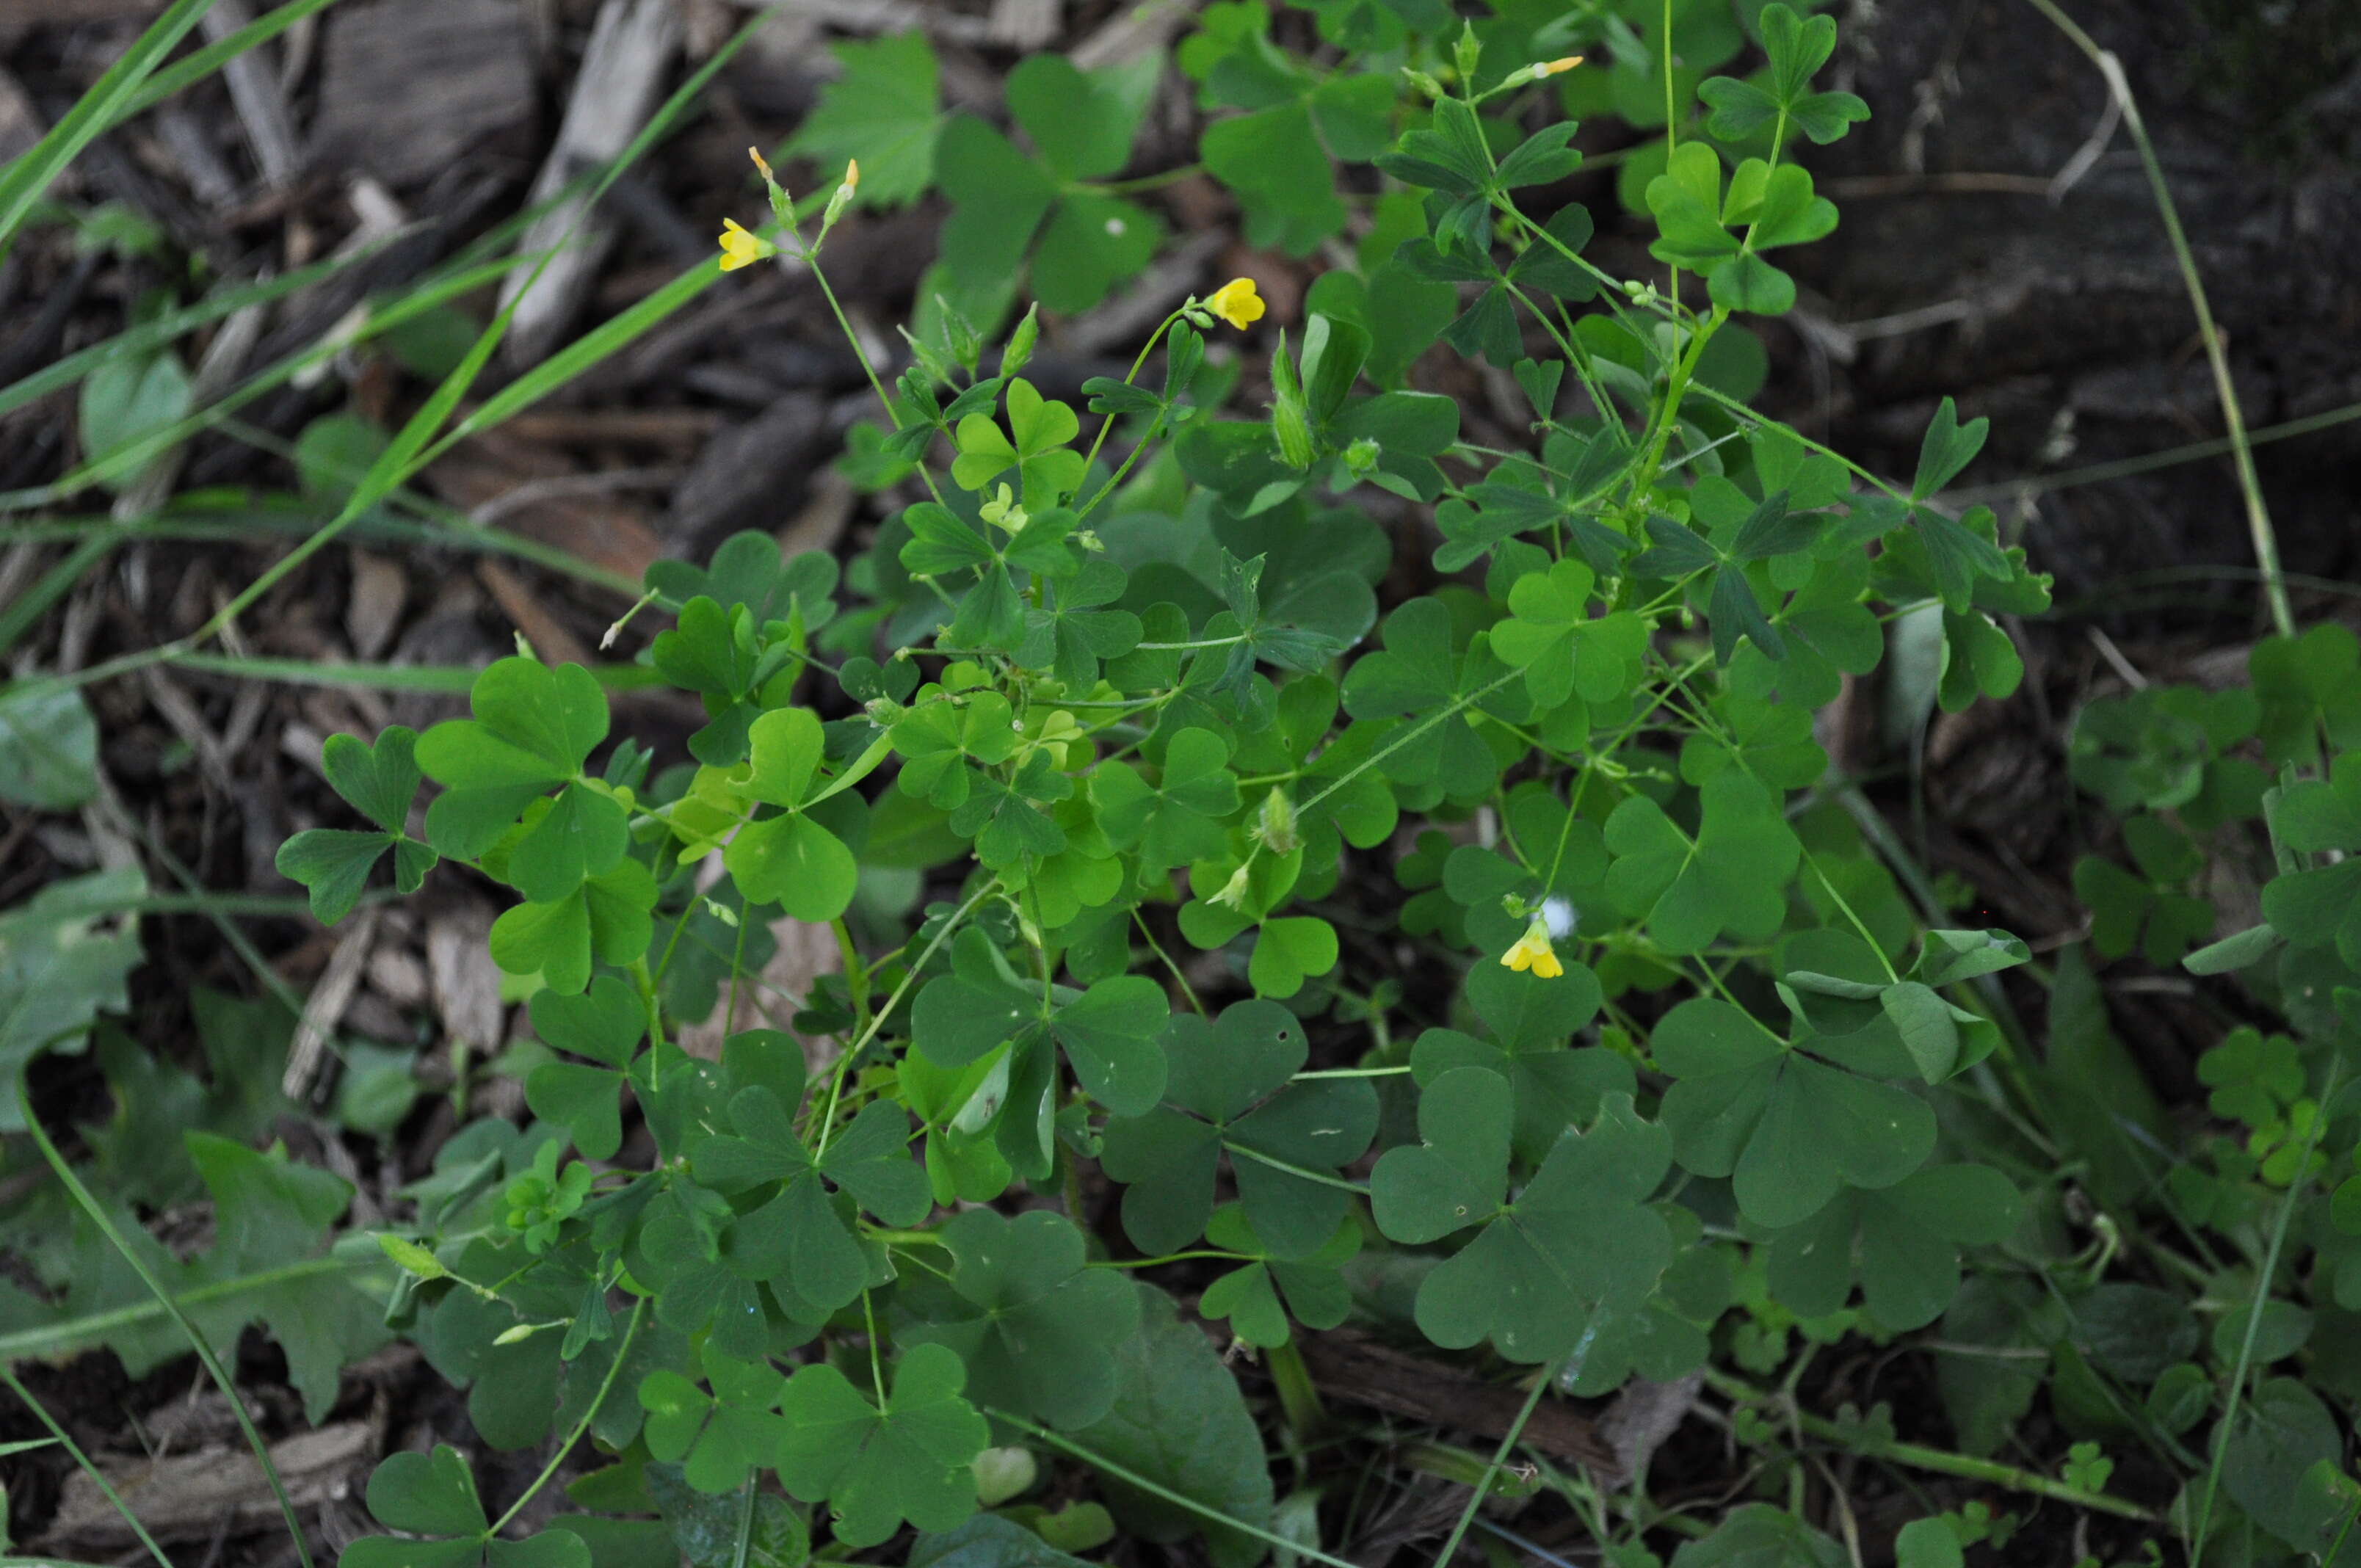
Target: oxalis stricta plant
point(1120, 697)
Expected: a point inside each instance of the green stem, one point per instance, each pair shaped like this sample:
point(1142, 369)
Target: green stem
point(1325, 1179)
point(2234, 418)
point(1935, 1459)
point(105, 1488)
point(197, 1340)
point(1157, 1489)
point(2296, 1188)
point(1542, 1384)
point(55, 1338)
point(599, 1400)
point(852, 1051)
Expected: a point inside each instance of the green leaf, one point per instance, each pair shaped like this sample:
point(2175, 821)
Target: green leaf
point(1732, 877)
point(1761, 1536)
point(1179, 1421)
point(1928, 1029)
point(992, 1540)
point(605, 1024)
point(534, 728)
point(269, 1212)
point(798, 1232)
point(885, 110)
point(1289, 201)
point(129, 398)
point(706, 1528)
point(1531, 1020)
point(49, 748)
point(65, 954)
point(1108, 1032)
point(1036, 1328)
point(1289, 951)
point(1228, 1088)
point(1948, 447)
point(424, 1495)
point(721, 1438)
point(1082, 123)
point(2282, 1434)
point(1315, 1292)
point(2321, 905)
point(1574, 1244)
point(1033, 444)
point(876, 1465)
point(1908, 1237)
point(607, 918)
point(1178, 820)
point(1790, 1129)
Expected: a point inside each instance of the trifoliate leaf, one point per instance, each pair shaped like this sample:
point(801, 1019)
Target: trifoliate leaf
point(1574, 1242)
point(1228, 1088)
point(1036, 1328)
point(534, 728)
point(876, 1465)
point(1792, 1130)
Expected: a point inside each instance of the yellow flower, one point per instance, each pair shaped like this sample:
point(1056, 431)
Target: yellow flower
point(1236, 303)
point(1532, 952)
point(852, 174)
point(739, 247)
point(761, 162)
point(1558, 67)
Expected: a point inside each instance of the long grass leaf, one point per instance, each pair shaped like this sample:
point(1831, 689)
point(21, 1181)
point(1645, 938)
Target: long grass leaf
point(106, 1488)
point(198, 64)
point(386, 677)
point(22, 182)
point(105, 1222)
point(165, 329)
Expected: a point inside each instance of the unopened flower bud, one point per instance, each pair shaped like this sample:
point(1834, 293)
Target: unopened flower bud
point(1277, 826)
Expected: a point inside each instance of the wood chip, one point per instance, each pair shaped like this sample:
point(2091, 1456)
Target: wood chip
point(397, 975)
point(1025, 24)
point(1131, 31)
point(255, 91)
point(745, 474)
point(373, 610)
point(548, 635)
point(467, 982)
point(603, 529)
point(1364, 1371)
point(374, 111)
point(622, 75)
point(1645, 1414)
point(192, 1497)
point(769, 1001)
point(324, 1008)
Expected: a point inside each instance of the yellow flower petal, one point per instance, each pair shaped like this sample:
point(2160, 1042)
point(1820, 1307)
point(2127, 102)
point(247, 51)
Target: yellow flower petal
point(739, 247)
point(1534, 951)
point(1558, 67)
point(1236, 303)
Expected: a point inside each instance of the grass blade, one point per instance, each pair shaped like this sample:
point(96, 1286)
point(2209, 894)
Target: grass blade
point(167, 328)
point(201, 64)
point(454, 678)
point(22, 182)
point(106, 1488)
point(220, 1374)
